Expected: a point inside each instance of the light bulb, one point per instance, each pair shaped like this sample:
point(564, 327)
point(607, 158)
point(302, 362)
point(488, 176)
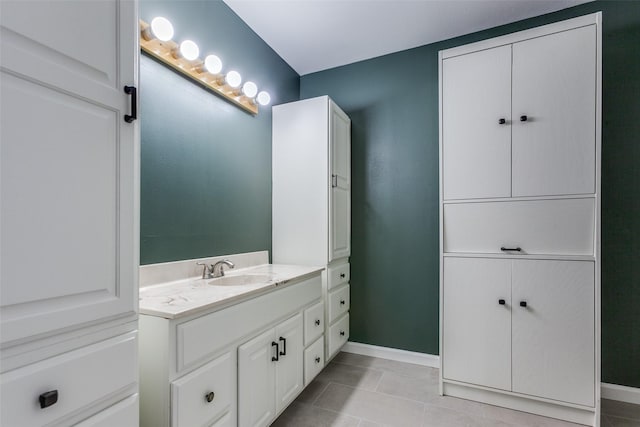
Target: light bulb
point(249, 89)
point(189, 50)
point(162, 28)
point(264, 98)
point(233, 79)
point(213, 64)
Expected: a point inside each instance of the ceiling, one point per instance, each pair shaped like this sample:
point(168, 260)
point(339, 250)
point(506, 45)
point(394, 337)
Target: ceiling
point(314, 35)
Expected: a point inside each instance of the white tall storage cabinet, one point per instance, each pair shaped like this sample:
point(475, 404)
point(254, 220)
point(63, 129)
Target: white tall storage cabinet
point(312, 201)
point(69, 213)
point(520, 126)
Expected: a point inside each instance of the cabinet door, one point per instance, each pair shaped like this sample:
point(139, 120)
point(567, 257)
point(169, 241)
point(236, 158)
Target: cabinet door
point(554, 85)
point(68, 164)
point(553, 336)
point(340, 203)
point(289, 369)
point(256, 381)
point(476, 147)
point(477, 327)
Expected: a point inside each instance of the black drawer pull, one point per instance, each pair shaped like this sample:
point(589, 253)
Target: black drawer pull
point(48, 398)
point(342, 275)
point(501, 301)
point(275, 358)
point(523, 304)
point(341, 333)
point(317, 322)
point(502, 121)
point(518, 249)
point(284, 346)
point(317, 359)
point(133, 92)
point(209, 396)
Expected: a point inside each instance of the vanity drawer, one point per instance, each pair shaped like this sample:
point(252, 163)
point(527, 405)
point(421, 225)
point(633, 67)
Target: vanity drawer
point(563, 227)
point(337, 275)
point(81, 378)
point(313, 360)
point(122, 414)
point(205, 394)
point(338, 335)
point(313, 322)
point(338, 302)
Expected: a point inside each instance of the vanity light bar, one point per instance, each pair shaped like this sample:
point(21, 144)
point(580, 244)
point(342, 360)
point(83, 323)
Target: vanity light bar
point(155, 41)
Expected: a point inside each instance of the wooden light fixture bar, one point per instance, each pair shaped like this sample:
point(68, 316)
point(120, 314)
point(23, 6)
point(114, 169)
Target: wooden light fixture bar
point(164, 52)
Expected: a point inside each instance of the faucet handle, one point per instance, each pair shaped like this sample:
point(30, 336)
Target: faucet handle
point(204, 270)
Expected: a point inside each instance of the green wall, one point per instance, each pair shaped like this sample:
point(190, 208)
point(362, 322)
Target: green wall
point(206, 164)
point(393, 104)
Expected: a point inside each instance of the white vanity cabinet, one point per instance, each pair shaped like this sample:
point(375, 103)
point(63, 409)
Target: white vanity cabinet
point(234, 364)
point(270, 370)
point(311, 200)
point(68, 213)
point(520, 215)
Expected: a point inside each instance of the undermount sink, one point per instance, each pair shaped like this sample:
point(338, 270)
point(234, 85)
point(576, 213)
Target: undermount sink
point(242, 279)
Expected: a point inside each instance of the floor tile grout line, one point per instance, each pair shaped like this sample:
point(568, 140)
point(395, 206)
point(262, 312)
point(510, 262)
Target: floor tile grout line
point(326, 386)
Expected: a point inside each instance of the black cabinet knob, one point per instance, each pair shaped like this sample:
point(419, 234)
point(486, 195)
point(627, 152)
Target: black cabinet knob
point(523, 304)
point(523, 118)
point(317, 322)
point(48, 398)
point(317, 359)
point(501, 301)
point(341, 333)
point(502, 121)
point(209, 396)
point(341, 302)
point(342, 275)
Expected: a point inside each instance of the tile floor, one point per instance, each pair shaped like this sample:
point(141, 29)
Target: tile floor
point(362, 391)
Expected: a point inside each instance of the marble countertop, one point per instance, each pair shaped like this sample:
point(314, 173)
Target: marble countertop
point(185, 297)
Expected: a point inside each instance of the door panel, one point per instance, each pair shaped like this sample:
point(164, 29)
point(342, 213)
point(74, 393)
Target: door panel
point(68, 165)
point(554, 84)
point(289, 369)
point(256, 381)
point(340, 203)
point(476, 151)
point(553, 336)
point(477, 328)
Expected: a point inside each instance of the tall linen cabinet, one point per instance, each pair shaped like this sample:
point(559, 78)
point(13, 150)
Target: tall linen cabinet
point(520, 126)
point(69, 213)
point(312, 202)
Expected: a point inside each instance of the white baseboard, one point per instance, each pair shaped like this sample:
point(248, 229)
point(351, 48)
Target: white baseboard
point(416, 358)
point(620, 392)
point(608, 391)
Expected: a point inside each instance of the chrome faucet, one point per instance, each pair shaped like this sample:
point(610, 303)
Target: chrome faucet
point(213, 271)
point(217, 269)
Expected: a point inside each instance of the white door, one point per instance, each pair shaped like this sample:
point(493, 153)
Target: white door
point(476, 123)
point(256, 380)
point(340, 203)
point(289, 369)
point(68, 164)
point(554, 86)
point(477, 321)
point(553, 336)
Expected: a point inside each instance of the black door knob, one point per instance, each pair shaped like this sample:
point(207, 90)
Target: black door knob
point(523, 303)
point(501, 301)
point(523, 118)
point(502, 121)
